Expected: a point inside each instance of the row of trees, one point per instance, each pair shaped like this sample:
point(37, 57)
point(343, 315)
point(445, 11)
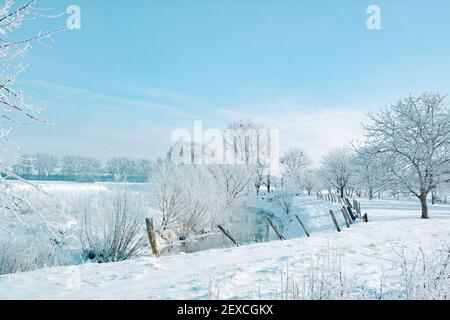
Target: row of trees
point(406, 150)
point(76, 168)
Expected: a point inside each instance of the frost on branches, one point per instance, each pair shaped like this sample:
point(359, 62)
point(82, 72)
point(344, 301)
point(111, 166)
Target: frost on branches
point(15, 108)
point(413, 139)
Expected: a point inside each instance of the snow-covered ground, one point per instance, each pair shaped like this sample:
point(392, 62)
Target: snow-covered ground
point(369, 251)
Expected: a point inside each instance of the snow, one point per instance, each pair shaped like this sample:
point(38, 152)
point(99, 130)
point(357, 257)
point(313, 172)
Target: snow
point(367, 250)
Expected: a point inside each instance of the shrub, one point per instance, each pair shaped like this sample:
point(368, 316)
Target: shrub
point(28, 253)
point(113, 227)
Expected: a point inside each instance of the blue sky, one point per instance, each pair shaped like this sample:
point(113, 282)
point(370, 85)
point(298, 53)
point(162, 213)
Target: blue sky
point(137, 70)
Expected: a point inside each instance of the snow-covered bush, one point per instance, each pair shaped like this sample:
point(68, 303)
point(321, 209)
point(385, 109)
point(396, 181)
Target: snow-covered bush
point(112, 227)
point(326, 280)
point(425, 277)
point(422, 277)
point(29, 253)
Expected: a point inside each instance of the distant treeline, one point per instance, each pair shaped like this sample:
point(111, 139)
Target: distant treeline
point(42, 166)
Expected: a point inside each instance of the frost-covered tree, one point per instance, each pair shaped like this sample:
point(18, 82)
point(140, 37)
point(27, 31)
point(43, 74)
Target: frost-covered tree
point(121, 168)
point(15, 109)
point(143, 168)
point(167, 190)
point(234, 180)
point(309, 181)
point(24, 167)
point(371, 171)
point(285, 200)
point(70, 166)
point(250, 145)
point(294, 165)
point(77, 167)
point(414, 136)
point(44, 164)
point(337, 169)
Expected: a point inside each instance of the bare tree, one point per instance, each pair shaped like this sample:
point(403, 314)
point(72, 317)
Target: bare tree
point(121, 168)
point(372, 171)
point(45, 164)
point(168, 193)
point(294, 163)
point(144, 168)
point(70, 166)
point(24, 167)
point(414, 134)
point(336, 169)
point(79, 168)
point(250, 144)
point(310, 181)
point(234, 179)
point(285, 200)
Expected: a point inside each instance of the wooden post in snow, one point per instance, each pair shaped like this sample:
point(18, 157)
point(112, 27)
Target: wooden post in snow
point(348, 202)
point(276, 229)
point(366, 218)
point(302, 225)
point(357, 207)
point(347, 220)
point(345, 211)
point(335, 221)
point(152, 237)
point(350, 211)
point(228, 235)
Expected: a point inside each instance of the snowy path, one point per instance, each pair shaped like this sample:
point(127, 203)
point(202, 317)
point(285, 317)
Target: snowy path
point(236, 273)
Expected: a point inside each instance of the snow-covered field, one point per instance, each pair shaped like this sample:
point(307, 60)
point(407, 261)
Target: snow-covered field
point(370, 253)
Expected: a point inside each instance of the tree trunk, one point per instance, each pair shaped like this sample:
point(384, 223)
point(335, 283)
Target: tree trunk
point(370, 194)
point(342, 192)
point(433, 198)
point(423, 201)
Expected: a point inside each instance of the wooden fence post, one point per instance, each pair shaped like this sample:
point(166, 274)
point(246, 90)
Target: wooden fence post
point(347, 222)
point(302, 225)
point(228, 235)
point(276, 229)
point(350, 211)
point(335, 221)
point(366, 218)
point(348, 202)
point(344, 209)
point(152, 237)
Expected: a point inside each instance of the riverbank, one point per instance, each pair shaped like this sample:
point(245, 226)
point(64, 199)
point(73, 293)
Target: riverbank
point(369, 252)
